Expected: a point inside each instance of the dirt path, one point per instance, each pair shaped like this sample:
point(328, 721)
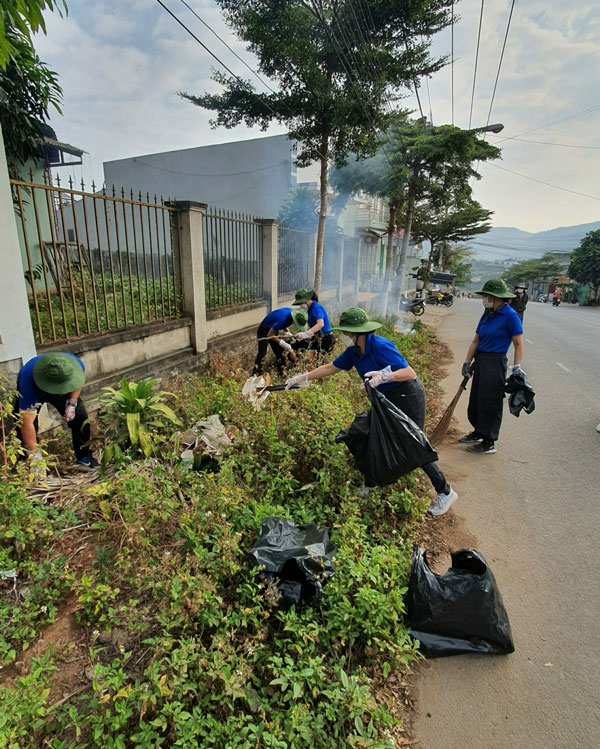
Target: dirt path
point(528, 510)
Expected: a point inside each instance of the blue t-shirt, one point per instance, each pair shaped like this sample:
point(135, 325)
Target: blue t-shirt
point(496, 330)
point(279, 319)
point(316, 311)
point(29, 392)
point(379, 353)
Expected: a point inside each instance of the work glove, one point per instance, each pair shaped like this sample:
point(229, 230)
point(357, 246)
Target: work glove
point(36, 462)
point(70, 409)
point(378, 377)
point(300, 380)
point(303, 335)
point(285, 345)
point(516, 369)
point(467, 369)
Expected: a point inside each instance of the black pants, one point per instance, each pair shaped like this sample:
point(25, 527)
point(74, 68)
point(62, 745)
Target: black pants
point(409, 397)
point(486, 399)
point(263, 346)
point(322, 343)
point(79, 426)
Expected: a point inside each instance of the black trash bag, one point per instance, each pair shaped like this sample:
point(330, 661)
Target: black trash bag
point(297, 559)
point(521, 394)
point(385, 443)
point(458, 612)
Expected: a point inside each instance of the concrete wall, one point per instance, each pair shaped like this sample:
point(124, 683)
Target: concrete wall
point(251, 176)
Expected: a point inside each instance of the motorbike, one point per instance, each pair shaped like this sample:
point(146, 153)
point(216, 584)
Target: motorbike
point(444, 298)
point(555, 302)
point(408, 304)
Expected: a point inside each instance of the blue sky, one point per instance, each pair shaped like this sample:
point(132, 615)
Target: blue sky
point(121, 64)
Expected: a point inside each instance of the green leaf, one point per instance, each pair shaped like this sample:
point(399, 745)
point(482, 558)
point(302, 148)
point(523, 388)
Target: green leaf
point(133, 427)
point(145, 442)
point(344, 679)
point(169, 413)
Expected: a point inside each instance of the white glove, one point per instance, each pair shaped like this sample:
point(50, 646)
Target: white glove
point(301, 380)
point(516, 369)
point(69, 411)
point(285, 345)
point(304, 334)
point(378, 377)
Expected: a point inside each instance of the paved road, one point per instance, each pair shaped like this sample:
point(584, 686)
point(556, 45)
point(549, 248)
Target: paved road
point(534, 508)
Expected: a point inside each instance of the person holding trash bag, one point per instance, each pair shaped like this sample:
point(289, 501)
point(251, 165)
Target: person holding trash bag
point(378, 362)
point(486, 361)
point(520, 300)
point(278, 319)
point(319, 336)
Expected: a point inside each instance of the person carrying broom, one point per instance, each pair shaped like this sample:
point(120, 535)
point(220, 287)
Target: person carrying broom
point(378, 362)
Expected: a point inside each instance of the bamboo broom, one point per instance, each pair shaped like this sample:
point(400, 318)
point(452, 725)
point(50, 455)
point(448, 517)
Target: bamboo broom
point(439, 432)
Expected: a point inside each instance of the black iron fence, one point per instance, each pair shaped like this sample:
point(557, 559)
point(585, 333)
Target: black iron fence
point(95, 261)
point(331, 259)
point(233, 258)
point(295, 260)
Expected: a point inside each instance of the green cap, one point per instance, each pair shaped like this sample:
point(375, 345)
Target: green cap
point(58, 374)
point(303, 296)
point(496, 287)
point(355, 320)
point(300, 319)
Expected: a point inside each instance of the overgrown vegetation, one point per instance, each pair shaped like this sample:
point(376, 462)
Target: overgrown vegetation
point(186, 646)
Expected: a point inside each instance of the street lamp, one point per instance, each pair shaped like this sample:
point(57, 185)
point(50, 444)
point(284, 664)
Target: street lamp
point(497, 127)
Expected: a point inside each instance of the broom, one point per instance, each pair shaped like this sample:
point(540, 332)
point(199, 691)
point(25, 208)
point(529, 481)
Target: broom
point(440, 431)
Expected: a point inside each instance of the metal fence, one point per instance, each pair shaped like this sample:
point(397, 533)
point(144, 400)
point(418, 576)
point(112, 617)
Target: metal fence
point(95, 261)
point(331, 259)
point(295, 260)
point(351, 247)
point(233, 258)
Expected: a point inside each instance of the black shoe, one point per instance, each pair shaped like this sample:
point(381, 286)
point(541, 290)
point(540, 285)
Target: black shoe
point(482, 447)
point(471, 437)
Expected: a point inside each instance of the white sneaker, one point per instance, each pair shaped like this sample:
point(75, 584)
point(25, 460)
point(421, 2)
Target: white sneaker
point(598, 428)
point(443, 502)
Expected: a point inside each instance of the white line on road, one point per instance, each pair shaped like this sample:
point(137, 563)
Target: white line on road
point(562, 366)
point(528, 340)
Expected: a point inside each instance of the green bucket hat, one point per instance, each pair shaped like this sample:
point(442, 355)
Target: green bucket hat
point(303, 296)
point(355, 320)
point(300, 319)
point(58, 374)
point(496, 287)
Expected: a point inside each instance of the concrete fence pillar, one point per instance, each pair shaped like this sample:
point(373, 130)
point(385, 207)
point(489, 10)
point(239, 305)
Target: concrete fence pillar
point(189, 223)
point(270, 238)
point(17, 344)
point(340, 244)
point(358, 250)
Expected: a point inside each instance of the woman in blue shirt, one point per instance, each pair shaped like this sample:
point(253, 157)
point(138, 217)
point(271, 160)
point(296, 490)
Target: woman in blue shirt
point(278, 319)
point(319, 336)
point(486, 360)
point(378, 361)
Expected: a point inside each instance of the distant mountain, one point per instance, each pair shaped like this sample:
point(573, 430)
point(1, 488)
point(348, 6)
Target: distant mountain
point(504, 242)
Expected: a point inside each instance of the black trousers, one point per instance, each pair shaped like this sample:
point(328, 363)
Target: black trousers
point(263, 347)
point(322, 343)
point(486, 399)
point(409, 397)
point(79, 426)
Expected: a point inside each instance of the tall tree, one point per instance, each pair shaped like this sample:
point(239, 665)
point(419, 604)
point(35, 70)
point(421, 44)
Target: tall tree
point(336, 73)
point(535, 269)
point(300, 209)
point(585, 262)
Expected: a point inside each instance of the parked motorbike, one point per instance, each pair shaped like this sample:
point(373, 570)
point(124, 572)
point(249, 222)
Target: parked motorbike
point(444, 298)
point(408, 304)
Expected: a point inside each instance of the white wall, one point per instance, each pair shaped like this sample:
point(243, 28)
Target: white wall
point(16, 337)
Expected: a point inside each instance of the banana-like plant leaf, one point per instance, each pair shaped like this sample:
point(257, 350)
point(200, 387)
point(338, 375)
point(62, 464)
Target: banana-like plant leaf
point(145, 442)
point(169, 413)
point(133, 427)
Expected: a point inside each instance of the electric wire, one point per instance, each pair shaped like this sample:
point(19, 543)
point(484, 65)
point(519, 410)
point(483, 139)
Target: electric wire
point(583, 112)
point(548, 184)
point(476, 60)
point(548, 143)
point(500, 63)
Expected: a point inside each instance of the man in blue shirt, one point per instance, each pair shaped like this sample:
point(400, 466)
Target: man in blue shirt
point(486, 360)
point(56, 379)
point(319, 336)
point(266, 334)
point(378, 361)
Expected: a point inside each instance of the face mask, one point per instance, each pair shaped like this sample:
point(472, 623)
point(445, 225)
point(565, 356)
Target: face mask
point(347, 340)
point(486, 303)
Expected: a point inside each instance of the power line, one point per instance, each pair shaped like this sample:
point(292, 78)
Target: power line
point(233, 52)
point(548, 184)
point(547, 143)
point(583, 112)
point(476, 59)
point(500, 63)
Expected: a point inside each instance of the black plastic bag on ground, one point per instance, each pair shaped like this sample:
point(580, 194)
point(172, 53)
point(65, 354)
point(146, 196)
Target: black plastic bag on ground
point(297, 559)
point(521, 394)
point(458, 612)
point(385, 443)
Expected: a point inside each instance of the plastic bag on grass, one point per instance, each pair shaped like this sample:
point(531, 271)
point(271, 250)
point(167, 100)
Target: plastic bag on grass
point(385, 443)
point(458, 612)
point(297, 559)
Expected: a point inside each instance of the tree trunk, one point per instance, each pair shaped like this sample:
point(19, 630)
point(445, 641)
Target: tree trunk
point(406, 238)
point(428, 271)
point(441, 260)
point(322, 212)
point(389, 255)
